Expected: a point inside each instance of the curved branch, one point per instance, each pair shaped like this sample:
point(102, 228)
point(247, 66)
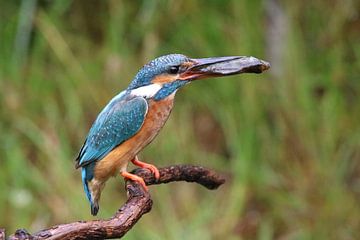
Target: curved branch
point(138, 203)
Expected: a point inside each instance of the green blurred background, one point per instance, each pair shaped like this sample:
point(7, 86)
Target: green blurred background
point(288, 140)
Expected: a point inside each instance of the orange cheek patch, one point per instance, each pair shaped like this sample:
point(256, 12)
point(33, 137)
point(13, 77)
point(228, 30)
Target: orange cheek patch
point(187, 64)
point(164, 78)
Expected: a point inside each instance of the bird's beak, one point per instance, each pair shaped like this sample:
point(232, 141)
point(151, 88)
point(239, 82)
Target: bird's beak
point(223, 66)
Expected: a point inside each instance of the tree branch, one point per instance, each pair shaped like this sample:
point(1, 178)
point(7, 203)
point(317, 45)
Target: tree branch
point(138, 203)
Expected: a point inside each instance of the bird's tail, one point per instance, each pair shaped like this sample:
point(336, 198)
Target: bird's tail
point(85, 179)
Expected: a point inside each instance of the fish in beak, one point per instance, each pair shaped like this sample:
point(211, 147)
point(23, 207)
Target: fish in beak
point(223, 66)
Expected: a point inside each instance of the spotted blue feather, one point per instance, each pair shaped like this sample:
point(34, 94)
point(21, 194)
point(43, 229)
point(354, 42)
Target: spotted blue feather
point(120, 120)
point(156, 67)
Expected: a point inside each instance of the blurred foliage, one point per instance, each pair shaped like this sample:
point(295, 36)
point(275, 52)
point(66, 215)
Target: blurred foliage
point(289, 139)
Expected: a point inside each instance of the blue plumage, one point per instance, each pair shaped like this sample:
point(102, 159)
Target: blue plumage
point(87, 173)
point(156, 67)
point(168, 89)
point(120, 120)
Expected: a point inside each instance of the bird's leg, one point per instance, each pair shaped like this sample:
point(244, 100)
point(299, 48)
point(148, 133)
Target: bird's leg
point(151, 167)
point(134, 178)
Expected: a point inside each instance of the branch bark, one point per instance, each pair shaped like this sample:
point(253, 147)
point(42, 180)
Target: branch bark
point(138, 203)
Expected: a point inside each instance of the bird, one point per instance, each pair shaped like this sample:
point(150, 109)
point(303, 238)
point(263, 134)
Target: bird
point(133, 118)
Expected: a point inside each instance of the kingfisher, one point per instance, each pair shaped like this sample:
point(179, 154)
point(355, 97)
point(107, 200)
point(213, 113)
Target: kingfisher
point(133, 118)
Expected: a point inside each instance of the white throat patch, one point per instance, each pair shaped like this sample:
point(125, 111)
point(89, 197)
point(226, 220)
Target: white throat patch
point(146, 91)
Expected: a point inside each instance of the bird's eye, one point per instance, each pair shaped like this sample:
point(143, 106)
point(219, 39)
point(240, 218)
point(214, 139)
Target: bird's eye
point(174, 69)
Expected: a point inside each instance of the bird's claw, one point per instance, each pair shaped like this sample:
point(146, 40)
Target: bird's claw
point(151, 167)
point(155, 171)
point(135, 178)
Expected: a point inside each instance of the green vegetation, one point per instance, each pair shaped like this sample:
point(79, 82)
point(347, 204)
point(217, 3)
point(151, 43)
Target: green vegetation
point(289, 139)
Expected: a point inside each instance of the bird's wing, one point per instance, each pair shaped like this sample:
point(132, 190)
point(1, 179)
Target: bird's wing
point(119, 121)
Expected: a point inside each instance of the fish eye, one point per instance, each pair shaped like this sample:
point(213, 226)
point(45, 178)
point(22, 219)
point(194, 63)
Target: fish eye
point(174, 69)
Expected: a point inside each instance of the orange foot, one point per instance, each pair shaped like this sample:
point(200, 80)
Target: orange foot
point(151, 167)
point(135, 178)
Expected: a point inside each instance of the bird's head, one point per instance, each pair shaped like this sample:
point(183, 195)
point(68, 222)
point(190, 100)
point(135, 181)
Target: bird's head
point(164, 75)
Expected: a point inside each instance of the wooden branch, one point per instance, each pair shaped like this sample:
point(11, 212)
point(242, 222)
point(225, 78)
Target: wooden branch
point(138, 203)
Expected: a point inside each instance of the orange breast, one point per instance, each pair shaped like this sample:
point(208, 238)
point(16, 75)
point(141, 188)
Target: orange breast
point(117, 160)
